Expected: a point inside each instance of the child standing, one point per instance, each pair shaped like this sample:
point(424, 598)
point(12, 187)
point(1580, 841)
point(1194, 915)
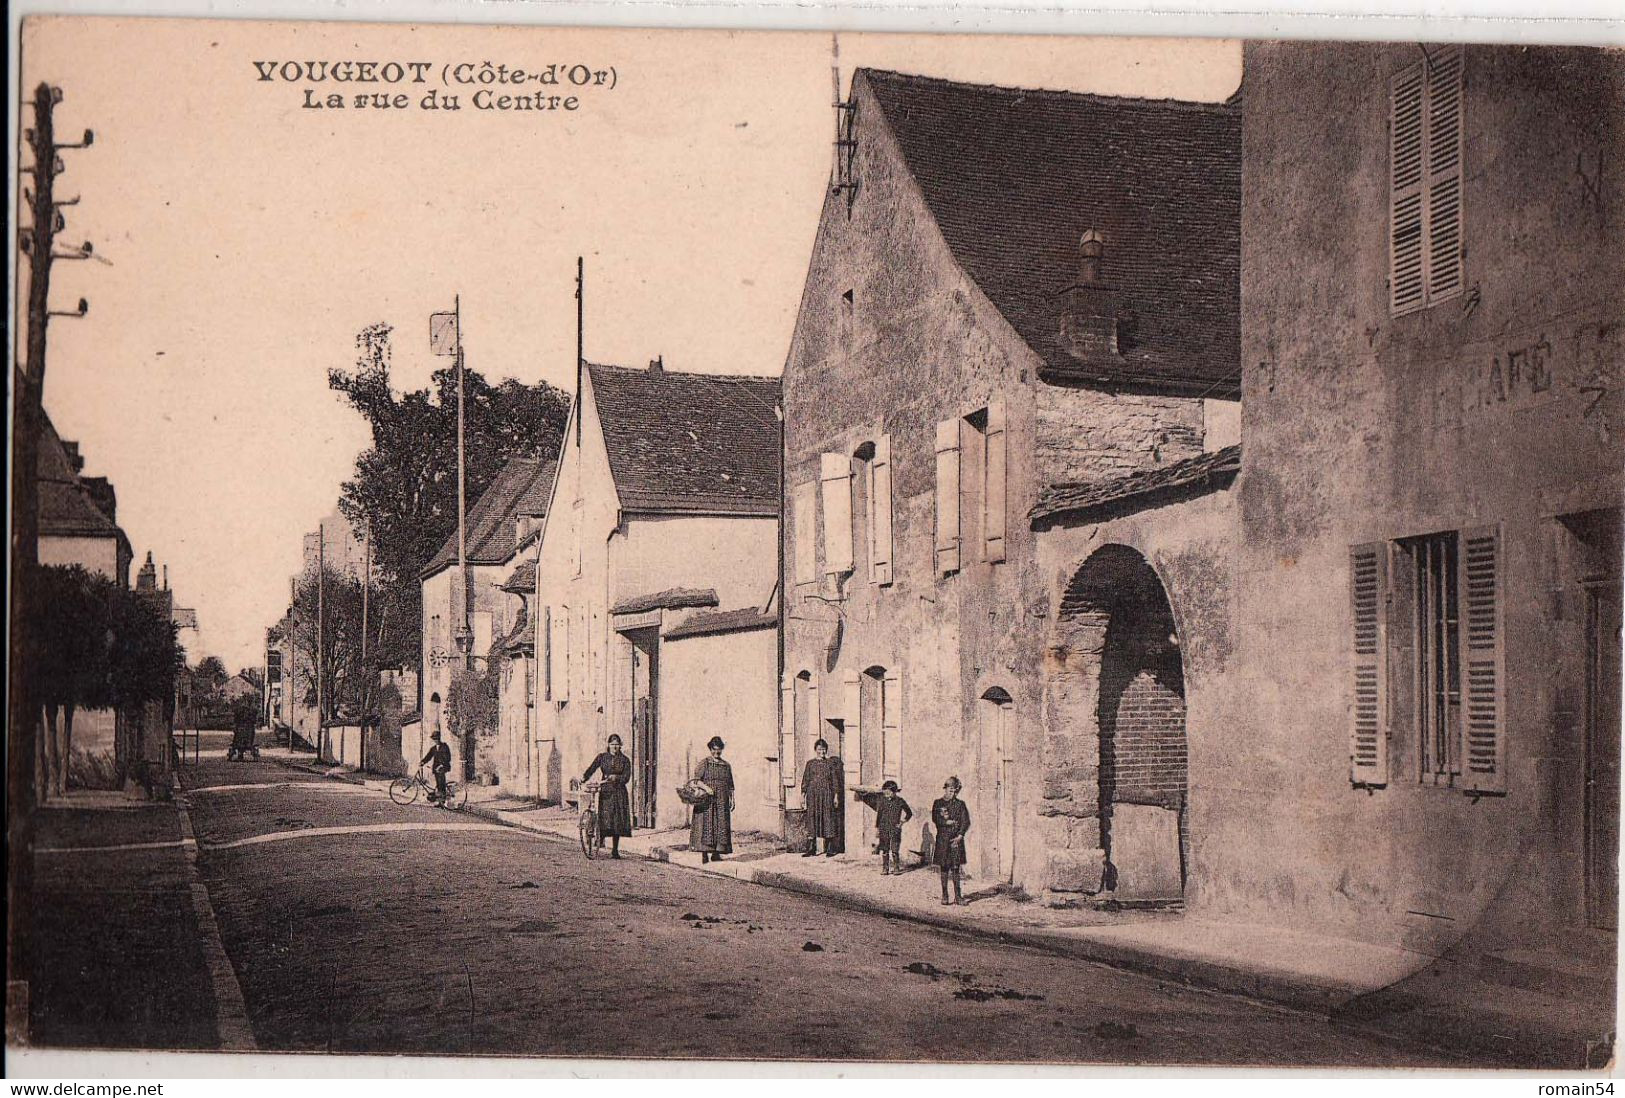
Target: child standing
point(952, 821)
point(891, 813)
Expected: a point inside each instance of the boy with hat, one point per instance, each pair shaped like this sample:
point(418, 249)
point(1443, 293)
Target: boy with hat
point(891, 813)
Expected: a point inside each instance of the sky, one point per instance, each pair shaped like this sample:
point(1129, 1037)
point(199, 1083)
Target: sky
point(243, 239)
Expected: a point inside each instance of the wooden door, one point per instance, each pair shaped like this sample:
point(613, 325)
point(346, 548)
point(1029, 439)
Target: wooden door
point(645, 759)
point(1602, 756)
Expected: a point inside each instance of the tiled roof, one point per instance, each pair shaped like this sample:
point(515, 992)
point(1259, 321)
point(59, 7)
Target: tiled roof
point(522, 580)
point(66, 508)
point(722, 621)
point(695, 443)
point(676, 598)
point(1181, 480)
point(492, 530)
point(1014, 178)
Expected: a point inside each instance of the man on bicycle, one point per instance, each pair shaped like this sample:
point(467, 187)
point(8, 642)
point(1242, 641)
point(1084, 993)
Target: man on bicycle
point(440, 755)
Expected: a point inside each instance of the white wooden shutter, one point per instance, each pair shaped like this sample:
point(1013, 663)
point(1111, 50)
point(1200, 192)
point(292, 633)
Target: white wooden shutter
point(835, 477)
point(804, 514)
point(993, 488)
point(1483, 657)
point(547, 657)
point(787, 731)
point(1406, 280)
point(891, 723)
point(852, 726)
point(947, 496)
point(1444, 139)
point(562, 693)
point(880, 525)
point(1368, 721)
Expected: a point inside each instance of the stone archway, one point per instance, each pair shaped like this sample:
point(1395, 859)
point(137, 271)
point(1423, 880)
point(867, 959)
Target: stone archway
point(1115, 752)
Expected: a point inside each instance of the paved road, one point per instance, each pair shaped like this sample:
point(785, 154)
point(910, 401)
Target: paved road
point(356, 925)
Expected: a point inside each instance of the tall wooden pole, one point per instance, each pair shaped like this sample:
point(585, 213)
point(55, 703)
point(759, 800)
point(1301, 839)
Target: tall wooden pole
point(581, 314)
point(465, 636)
point(321, 609)
point(367, 678)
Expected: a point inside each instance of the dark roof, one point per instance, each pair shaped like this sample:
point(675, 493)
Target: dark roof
point(66, 507)
point(523, 638)
point(492, 530)
point(522, 580)
point(1013, 179)
point(1081, 502)
point(690, 443)
point(676, 598)
point(722, 621)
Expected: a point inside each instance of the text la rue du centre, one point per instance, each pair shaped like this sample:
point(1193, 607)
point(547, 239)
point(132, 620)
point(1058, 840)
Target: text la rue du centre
point(449, 86)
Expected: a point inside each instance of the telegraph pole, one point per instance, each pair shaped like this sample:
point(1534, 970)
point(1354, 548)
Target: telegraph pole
point(368, 680)
point(465, 634)
point(321, 676)
point(37, 241)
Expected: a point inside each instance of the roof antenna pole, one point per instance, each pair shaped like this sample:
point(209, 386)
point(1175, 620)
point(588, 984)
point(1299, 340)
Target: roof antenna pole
point(835, 100)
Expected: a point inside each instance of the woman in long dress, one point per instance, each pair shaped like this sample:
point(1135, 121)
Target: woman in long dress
point(823, 782)
point(614, 804)
point(712, 830)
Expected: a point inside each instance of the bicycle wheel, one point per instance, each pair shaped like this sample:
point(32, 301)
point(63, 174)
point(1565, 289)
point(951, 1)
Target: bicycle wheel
point(403, 790)
point(589, 833)
point(456, 794)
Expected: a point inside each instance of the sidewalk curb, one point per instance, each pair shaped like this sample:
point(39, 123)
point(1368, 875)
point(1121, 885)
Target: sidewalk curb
point(231, 1011)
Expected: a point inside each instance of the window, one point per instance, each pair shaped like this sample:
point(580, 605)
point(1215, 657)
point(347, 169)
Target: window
point(1428, 661)
point(545, 638)
point(581, 533)
point(1425, 185)
point(835, 482)
point(561, 626)
point(1435, 652)
point(993, 481)
point(947, 540)
point(804, 516)
point(880, 513)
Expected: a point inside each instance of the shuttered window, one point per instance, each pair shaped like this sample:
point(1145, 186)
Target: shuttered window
point(1483, 646)
point(1425, 181)
point(852, 725)
point(880, 513)
point(993, 484)
point(1368, 712)
point(947, 540)
point(835, 480)
point(561, 623)
point(891, 723)
point(804, 518)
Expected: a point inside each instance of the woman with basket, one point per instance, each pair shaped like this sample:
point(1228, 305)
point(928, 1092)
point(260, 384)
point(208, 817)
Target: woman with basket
point(711, 793)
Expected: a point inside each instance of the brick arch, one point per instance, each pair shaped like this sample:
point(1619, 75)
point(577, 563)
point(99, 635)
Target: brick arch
point(1115, 752)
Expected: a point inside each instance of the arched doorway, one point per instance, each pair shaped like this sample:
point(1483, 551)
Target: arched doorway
point(997, 720)
point(1117, 699)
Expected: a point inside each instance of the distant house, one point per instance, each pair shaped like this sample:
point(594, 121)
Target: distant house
point(237, 688)
point(504, 518)
point(655, 585)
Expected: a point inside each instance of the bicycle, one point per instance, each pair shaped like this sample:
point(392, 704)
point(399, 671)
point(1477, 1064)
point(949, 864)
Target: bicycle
point(591, 832)
point(405, 790)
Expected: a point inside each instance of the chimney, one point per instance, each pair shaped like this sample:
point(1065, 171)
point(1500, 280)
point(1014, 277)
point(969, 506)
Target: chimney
point(657, 364)
point(1089, 317)
point(75, 459)
point(166, 577)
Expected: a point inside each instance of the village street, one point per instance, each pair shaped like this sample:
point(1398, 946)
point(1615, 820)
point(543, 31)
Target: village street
point(436, 933)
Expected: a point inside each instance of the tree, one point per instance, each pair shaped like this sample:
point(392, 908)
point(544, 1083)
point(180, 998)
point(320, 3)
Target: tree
point(349, 683)
point(210, 674)
point(404, 490)
point(103, 647)
point(74, 671)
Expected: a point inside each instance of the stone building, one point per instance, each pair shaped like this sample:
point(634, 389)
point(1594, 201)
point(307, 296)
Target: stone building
point(1392, 617)
point(1009, 290)
point(505, 519)
point(1429, 500)
point(655, 586)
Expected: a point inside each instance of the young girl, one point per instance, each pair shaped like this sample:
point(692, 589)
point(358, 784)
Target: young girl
point(952, 820)
point(891, 813)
